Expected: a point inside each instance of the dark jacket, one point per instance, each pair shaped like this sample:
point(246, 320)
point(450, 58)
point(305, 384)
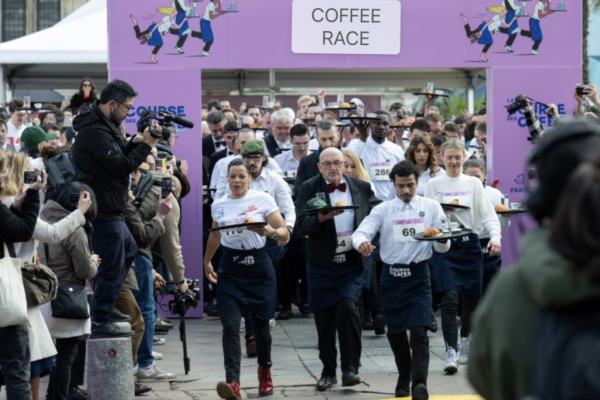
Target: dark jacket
point(208, 146)
point(308, 168)
point(102, 152)
point(186, 187)
point(18, 226)
point(501, 357)
point(272, 146)
point(78, 101)
point(144, 233)
point(322, 238)
point(214, 158)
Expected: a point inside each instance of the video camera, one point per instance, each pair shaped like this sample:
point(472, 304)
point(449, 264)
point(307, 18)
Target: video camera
point(165, 120)
point(183, 301)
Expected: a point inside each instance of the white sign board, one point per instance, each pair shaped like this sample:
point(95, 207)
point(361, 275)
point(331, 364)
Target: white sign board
point(346, 26)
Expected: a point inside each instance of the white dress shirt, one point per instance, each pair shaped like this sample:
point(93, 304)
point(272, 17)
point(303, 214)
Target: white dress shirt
point(398, 221)
point(14, 134)
point(379, 159)
point(425, 178)
point(289, 165)
point(273, 184)
point(344, 223)
point(495, 197)
point(222, 185)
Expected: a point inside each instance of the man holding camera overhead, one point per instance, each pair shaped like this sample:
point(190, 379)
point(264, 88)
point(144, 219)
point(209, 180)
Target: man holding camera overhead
point(102, 152)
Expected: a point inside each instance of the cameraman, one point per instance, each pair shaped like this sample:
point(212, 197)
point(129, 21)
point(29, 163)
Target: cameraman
point(166, 148)
point(536, 130)
point(102, 152)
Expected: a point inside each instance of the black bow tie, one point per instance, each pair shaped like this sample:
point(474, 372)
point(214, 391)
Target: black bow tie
point(219, 144)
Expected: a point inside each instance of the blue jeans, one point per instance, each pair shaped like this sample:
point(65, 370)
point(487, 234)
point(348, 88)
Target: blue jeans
point(14, 361)
point(145, 299)
point(113, 242)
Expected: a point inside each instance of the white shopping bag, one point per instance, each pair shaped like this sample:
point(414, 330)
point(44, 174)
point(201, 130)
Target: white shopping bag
point(13, 304)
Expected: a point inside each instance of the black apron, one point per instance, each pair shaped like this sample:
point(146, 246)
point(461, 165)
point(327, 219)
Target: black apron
point(274, 250)
point(405, 296)
point(461, 267)
point(327, 286)
point(491, 265)
point(247, 277)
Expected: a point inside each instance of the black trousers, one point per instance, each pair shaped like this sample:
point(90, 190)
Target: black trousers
point(58, 388)
point(471, 33)
point(78, 368)
point(449, 313)
point(291, 269)
point(411, 368)
point(230, 319)
point(14, 361)
point(511, 38)
point(343, 318)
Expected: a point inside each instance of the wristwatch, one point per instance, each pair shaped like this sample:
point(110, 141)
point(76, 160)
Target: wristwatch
point(274, 235)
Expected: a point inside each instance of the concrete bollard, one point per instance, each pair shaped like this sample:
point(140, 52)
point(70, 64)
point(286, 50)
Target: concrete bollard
point(109, 369)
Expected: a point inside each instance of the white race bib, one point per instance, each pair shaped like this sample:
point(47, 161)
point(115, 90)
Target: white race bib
point(290, 174)
point(344, 242)
point(235, 235)
point(380, 171)
point(405, 228)
point(465, 198)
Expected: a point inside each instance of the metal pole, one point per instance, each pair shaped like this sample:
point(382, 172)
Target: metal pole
point(471, 100)
point(272, 84)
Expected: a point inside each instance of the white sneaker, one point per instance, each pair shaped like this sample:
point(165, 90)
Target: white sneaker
point(154, 374)
point(535, 52)
point(205, 53)
point(518, 30)
point(135, 369)
point(157, 356)
point(464, 350)
point(243, 325)
point(179, 50)
point(451, 361)
point(272, 324)
point(508, 48)
point(159, 341)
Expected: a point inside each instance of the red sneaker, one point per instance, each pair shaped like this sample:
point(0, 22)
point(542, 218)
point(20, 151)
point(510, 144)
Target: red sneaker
point(229, 390)
point(265, 384)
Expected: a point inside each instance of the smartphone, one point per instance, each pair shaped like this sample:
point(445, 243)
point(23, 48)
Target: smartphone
point(167, 187)
point(161, 163)
point(74, 200)
point(581, 90)
point(31, 176)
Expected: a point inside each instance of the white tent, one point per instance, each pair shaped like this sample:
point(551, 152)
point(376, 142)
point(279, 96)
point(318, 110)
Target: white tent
point(81, 38)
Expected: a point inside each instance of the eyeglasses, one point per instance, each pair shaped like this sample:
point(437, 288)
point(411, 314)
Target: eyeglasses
point(255, 157)
point(328, 165)
point(128, 106)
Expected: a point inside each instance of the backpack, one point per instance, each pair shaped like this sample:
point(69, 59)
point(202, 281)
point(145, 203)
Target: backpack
point(61, 171)
point(566, 364)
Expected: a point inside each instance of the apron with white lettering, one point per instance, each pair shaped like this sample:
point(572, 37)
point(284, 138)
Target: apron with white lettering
point(247, 277)
point(405, 296)
point(461, 268)
point(343, 278)
point(491, 265)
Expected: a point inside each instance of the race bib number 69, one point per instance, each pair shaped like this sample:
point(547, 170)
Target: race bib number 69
point(405, 228)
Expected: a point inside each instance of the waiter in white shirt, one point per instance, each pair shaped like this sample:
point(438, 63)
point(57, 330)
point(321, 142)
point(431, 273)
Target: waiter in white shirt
point(379, 155)
point(405, 283)
point(290, 160)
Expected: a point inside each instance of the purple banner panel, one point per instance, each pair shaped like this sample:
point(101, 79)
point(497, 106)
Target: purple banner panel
point(178, 92)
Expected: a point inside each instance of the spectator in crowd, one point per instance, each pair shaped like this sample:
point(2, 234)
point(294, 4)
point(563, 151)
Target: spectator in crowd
point(17, 226)
point(304, 102)
point(16, 123)
point(86, 96)
point(73, 263)
point(4, 143)
point(225, 104)
point(33, 141)
point(102, 152)
point(214, 105)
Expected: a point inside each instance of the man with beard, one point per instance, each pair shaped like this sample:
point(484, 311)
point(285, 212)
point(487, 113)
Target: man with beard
point(379, 155)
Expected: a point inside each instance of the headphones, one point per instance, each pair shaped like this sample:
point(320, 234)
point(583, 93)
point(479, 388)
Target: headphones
point(566, 132)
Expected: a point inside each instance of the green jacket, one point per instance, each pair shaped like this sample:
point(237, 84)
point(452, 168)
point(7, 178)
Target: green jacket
point(501, 353)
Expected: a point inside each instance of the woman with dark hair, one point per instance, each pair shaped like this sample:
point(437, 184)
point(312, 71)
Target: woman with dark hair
point(422, 153)
point(84, 97)
point(559, 272)
point(246, 277)
point(73, 263)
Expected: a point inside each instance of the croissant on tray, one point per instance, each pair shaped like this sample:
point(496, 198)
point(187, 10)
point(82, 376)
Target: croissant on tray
point(501, 207)
point(431, 231)
point(250, 220)
point(455, 202)
point(340, 204)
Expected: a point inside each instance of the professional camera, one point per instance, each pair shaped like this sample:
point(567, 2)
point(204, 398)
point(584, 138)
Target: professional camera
point(520, 103)
point(182, 301)
point(165, 120)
